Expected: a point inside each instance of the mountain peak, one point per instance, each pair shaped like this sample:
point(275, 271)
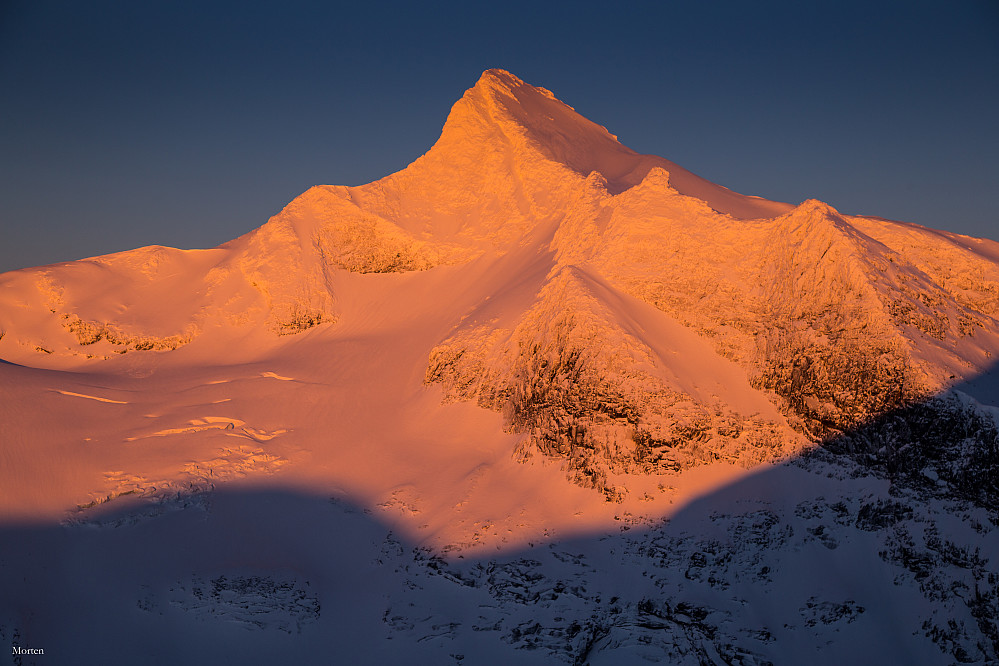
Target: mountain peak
point(497, 74)
point(502, 99)
point(501, 113)
point(494, 372)
point(505, 83)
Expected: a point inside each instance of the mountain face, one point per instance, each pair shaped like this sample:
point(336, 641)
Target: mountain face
point(528, 324)
point(663, 321)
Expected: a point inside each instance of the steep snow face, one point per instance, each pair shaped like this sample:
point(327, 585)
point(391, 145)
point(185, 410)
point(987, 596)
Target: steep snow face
point(532, 336)
point(511, 154)
point(766, 323)
point(533, 120)
point(855, 327)
point(510, 161)
point(623, 315)
point(840, 325)
point(609, 384)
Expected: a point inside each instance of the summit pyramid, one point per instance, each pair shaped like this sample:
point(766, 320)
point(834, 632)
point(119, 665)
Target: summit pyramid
point(530, 330)
point(628, 315)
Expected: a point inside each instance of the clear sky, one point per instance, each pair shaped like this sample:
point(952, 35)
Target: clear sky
point(189, 123)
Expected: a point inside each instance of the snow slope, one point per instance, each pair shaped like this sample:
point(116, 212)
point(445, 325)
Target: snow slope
point(534, 397)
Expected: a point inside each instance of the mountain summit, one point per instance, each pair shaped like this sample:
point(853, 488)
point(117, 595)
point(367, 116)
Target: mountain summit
point(625, 315)
point(537, 126)
point(532, 330)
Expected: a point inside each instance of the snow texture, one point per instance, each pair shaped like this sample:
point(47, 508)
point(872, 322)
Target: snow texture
point(536, 398)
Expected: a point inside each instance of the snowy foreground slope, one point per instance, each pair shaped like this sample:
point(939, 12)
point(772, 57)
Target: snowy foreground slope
point(536, 398)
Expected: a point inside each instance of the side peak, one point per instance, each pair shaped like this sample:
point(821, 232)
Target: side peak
point(815, 206)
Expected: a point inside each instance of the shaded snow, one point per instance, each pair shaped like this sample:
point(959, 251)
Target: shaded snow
point(535, 398)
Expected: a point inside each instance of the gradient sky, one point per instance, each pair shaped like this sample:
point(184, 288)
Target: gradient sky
point(187, 124)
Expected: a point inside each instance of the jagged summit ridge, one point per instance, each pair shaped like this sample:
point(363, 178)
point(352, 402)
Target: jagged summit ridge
point(522, 110)
point(516, 387)
point(535, 207)
point(554, 131)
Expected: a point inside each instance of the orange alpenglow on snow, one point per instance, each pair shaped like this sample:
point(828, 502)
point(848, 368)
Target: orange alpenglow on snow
point(536, 398)
point(530, 329)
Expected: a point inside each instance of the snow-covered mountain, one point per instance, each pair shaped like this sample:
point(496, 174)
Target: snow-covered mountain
point(534, 397)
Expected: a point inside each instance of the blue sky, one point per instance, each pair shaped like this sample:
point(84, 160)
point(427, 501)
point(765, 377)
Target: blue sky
point(189, 123)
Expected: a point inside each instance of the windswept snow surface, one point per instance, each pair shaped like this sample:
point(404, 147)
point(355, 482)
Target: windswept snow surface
point(536, 398)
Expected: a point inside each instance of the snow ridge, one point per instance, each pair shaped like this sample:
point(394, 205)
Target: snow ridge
point(564, 402)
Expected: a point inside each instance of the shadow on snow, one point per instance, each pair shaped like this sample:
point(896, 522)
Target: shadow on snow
point(878, 547)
